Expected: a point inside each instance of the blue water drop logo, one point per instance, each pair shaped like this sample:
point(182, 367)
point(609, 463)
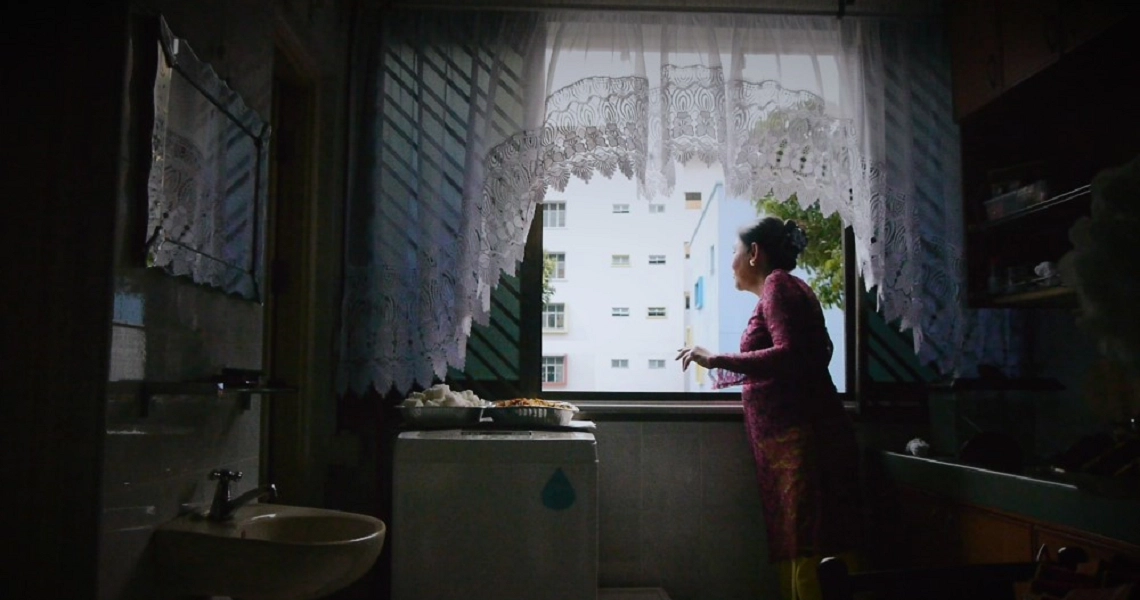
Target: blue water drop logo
point(558, 493)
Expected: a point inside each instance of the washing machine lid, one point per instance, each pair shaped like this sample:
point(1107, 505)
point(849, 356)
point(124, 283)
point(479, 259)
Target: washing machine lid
point(459, 445)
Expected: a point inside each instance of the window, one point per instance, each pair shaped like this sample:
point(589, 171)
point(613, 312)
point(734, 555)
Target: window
point(554, 369)
point(688, 246)
point(554, 214)
point(652, 297)
point(558, 260)
point(693, 200)
point(554, 317)
point(656, 209)
point(621, 209)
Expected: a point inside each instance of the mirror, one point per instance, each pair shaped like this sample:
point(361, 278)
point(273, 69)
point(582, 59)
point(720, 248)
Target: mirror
point(208, 176)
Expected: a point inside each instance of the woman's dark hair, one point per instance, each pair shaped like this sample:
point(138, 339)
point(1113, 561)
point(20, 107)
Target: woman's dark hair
point(782, 241)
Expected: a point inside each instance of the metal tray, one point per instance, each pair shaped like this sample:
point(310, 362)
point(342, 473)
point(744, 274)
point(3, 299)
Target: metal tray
point(530, 415)
point(441, 416)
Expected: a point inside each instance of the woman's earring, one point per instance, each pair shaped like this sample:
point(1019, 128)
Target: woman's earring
point(752, 262)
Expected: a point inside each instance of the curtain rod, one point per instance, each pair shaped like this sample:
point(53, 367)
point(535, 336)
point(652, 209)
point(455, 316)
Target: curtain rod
point(848, 12)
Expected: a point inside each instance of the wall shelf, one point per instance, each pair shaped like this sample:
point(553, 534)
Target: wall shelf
point(1081, 193)
point(144, 391)
point(1053, 297)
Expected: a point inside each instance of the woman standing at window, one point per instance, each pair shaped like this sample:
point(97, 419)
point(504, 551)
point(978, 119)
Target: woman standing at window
point(807, 459)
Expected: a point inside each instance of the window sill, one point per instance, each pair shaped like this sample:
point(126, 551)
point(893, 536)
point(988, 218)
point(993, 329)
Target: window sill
point(616, 410)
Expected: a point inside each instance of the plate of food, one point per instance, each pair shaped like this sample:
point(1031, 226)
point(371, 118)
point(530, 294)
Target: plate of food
point(532, 412)
point(440, 406)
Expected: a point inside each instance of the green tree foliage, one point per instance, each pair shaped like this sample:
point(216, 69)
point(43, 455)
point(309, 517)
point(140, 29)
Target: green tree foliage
point(547, 275)
point(823, 257)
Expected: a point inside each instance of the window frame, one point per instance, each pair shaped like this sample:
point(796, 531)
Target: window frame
point(659, 263)
point(663, 310)
point(854, 343)
point(656, 208)
point(558, 264)
point(561, 211)
point(562, 313)
point(620, 312)
point(628, 262)
point(619, 363)
point(620, 209)
point(562, 366)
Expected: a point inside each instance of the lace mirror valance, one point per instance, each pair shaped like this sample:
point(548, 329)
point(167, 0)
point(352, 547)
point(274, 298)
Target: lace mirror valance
point(208, 176)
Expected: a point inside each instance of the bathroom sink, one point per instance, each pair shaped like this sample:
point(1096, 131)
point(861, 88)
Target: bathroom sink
point(267, 552)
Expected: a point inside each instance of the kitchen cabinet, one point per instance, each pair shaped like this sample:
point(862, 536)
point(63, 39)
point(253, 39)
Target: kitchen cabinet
point(976, 48)
point(940, 533)
point(937, 532)
point(1083, 20)
point(997, 45)
point(929, 530)
point(989, 537)
point(1064, 113)
point(1030, 37)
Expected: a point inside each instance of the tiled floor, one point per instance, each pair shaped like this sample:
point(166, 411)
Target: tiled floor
point(632, 594)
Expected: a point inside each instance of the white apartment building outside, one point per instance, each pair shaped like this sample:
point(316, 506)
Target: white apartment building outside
point(617, 315)
point(719, 312)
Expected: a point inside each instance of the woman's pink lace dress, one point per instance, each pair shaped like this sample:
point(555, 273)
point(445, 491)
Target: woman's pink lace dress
point(807, 459)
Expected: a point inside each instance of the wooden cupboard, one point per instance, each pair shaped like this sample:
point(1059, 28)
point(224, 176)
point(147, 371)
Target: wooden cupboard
point(1044, 95)
point(998, 44)
point(940, 532)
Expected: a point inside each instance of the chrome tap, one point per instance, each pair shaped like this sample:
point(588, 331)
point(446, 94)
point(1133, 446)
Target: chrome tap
point(223, 507)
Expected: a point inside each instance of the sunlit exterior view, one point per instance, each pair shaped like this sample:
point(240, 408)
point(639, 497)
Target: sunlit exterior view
point(635, 279)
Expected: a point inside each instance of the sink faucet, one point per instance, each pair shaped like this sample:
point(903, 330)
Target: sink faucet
point(223, 507)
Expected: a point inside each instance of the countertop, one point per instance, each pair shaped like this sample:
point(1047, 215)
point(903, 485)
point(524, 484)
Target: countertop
point(1045, 499)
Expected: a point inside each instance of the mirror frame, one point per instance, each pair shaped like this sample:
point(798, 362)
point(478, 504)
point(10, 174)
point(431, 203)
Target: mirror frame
point(245, 277)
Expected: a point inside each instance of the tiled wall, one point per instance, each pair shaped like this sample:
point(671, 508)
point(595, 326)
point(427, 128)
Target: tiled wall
point(679, 509)
point(168, 329)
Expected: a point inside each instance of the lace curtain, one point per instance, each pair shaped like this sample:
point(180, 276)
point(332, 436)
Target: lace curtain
point(472, 117)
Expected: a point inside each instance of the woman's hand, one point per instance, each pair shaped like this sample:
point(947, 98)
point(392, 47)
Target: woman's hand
point(696, 354)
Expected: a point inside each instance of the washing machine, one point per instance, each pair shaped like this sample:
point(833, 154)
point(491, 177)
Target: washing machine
point(495, 515)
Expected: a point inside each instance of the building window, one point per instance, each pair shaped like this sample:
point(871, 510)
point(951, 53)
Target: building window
point(699, 293)
point(657, 363)
point(554, 317)
point(688, 300)
point(656, 259)
point(656, 312)
point(693, 200)
point(621, 209)
point(558, 260)
point(656, 208)
point(554, 369)
point(620, 311)
point(619, 363)
point(554, 214)
point(619, 260)
point(712, 259)
point(688, 246)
